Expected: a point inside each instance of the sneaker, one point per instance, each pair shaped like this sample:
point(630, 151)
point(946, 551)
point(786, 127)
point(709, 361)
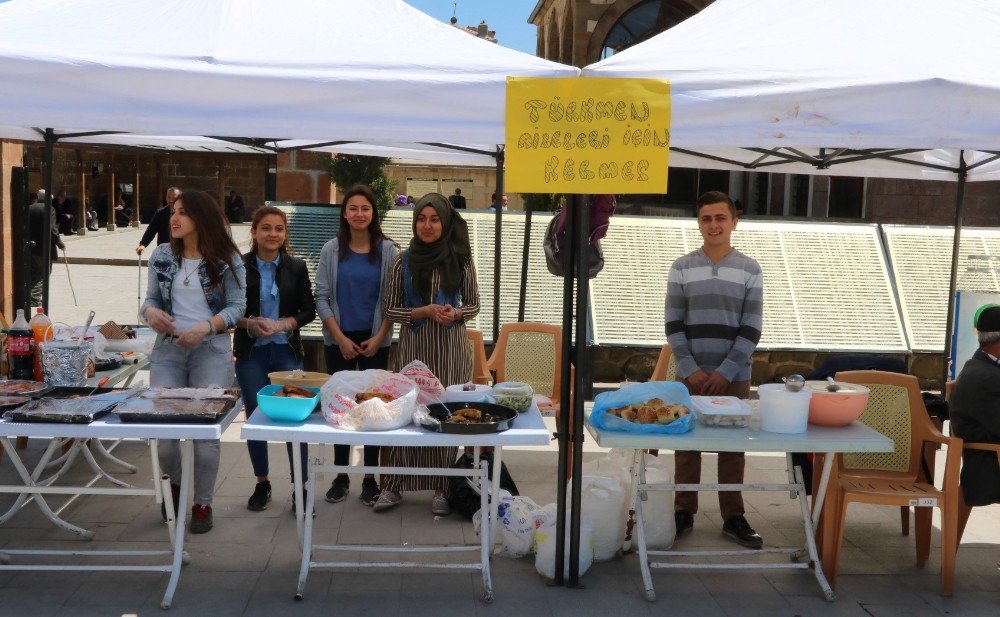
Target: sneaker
point(339, 489)
point(369, 492)
point(260, 498)
point(175, 491)
point(439, 505)
point(201, 519)
point(387, 500)
point(684, 521)
point(737, 528)
point(305, 498)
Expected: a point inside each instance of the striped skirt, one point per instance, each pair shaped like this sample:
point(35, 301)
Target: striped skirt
point(397, 456)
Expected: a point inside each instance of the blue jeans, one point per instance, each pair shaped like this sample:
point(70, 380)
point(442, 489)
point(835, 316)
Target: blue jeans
point(210, 363)
point(252, 375)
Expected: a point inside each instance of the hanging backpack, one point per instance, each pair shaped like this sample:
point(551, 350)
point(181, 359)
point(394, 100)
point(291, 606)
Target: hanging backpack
point(600, 210)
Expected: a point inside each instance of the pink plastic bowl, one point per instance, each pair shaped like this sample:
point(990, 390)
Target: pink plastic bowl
point(836, 408)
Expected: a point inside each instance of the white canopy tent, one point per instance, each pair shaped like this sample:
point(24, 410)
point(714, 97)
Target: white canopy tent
point(885, 88)
point(359, 76)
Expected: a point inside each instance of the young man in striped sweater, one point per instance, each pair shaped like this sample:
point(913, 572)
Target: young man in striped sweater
point(713, 320)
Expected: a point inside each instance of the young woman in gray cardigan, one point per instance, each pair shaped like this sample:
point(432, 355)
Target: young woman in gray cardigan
point(350, 291)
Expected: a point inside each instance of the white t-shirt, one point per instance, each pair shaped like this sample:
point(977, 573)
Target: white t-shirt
point(188, 299)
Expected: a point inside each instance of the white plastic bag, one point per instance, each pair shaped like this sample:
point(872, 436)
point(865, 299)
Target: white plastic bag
point(658, 509)
point(545, 544)
point(342, 410)
point(519, 518)
point(430, 388)
point(603, 502)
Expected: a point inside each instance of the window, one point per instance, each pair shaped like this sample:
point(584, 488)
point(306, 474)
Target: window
point(642, 22)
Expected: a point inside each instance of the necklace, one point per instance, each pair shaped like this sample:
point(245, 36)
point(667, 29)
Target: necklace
point(187, 275)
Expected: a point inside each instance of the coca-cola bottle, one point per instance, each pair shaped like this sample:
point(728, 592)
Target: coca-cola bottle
point(21, 349)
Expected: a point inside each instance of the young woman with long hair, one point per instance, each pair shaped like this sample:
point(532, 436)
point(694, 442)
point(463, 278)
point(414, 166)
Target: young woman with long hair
point(279, 303)
point(432, 293)
point(350, 295)
point(194, 295)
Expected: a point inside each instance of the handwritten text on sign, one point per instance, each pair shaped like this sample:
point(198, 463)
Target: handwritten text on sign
point(587, 135)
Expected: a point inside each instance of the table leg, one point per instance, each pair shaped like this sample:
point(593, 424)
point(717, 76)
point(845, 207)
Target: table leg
point(494, 504)
point(39, 468)
point(89, 457)
point(490, 508)
point(297, 491)
point(187, 469)
point(811, 539)
point(306, 540)
point(640, 527)
point(630, 523)
point(100, 450)
point(154, 454)
point(819, 494)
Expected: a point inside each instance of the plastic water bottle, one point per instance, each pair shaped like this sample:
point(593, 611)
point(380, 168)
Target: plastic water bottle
point(21, 349)
point(41, 330)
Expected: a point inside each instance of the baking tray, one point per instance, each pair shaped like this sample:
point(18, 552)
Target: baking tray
point(62, 410)
point(12, 401)
point(36, 387)
point(503, 418)
point(173, 411)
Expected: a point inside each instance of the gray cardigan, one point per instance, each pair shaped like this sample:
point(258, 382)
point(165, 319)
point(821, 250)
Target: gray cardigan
point(326, 286)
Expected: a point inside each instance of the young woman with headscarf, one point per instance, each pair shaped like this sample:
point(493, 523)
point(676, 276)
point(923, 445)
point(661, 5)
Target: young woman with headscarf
point(432, 291)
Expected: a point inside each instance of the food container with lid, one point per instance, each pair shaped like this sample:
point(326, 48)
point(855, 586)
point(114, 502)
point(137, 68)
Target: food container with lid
point(514, 394)
point(783, 410)
point(722, 411)
point(477, 394)
point(838, 408)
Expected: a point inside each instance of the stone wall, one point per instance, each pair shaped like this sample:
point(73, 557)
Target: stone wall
point(477, 183)
point(303, 177)
point(11, 155)
point(925, 202)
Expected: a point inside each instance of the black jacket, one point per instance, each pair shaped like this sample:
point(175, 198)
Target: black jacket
point(36, 230)
point(159, 226)
point(975, 416)
point(295, 299)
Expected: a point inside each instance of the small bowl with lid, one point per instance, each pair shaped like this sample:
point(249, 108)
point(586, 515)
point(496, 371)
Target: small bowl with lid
point(838, 407)
point(514, 394)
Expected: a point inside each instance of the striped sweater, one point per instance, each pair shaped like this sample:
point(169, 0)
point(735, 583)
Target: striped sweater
point(714, 313)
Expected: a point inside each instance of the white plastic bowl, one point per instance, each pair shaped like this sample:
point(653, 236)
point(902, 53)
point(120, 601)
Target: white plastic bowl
point(783, 411)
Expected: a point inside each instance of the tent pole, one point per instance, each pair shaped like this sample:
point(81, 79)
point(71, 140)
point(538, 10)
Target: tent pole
point(565, 404)
point(50, 143)
point(497, 245)
point(524, 262)
point(581, 231)
point(959, 205)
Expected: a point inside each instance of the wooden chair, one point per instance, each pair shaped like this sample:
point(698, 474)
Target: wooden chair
point(896, 409)
point(480, 373)
point(532, 353)
point(666, 366)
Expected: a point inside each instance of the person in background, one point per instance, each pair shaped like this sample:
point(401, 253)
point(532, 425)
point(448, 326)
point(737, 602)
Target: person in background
point(714, 313)
point(401, 201)
point(64, 214)
point(196, 291)
point(279, 303)
point(493, 202)
point(975, 415)
point(432, 293)
point(39, 267)
point(92, 221)
point(350, 296)
point(457, 201)
point(234, 208)
point(159, 225)
point(123, 214)
point(410, 201)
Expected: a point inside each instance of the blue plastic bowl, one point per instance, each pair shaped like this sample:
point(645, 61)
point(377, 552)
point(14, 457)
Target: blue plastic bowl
point(284, 409)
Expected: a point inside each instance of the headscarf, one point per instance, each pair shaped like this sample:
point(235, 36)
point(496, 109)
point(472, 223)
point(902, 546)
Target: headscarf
point(448, 255)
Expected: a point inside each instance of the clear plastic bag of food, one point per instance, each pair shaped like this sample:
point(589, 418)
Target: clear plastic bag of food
point(370, 400)
point(651, 407)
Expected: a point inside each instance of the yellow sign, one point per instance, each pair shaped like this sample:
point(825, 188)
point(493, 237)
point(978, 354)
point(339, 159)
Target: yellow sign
point(587, 135)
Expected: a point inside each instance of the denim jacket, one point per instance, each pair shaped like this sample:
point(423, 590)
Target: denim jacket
point(227, 300)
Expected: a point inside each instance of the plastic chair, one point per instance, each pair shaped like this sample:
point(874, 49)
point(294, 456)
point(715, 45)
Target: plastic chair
point(666, 365)
point(896, 409)
point(532, 353)
point(480, 374)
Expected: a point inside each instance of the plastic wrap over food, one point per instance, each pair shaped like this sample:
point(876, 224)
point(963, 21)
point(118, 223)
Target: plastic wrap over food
point(72, 410)
point(189, 393)
point(370, 400)
point(431, 389)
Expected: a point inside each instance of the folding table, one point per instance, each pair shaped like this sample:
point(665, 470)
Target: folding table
point(853, 438)
point(108, 427)
point(528, 430)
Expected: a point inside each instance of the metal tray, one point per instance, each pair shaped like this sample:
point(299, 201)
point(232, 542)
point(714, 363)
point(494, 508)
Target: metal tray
point(8, 401)
point(37, 387)
point(67, 411)
point(174, 411)
point(503, 418)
